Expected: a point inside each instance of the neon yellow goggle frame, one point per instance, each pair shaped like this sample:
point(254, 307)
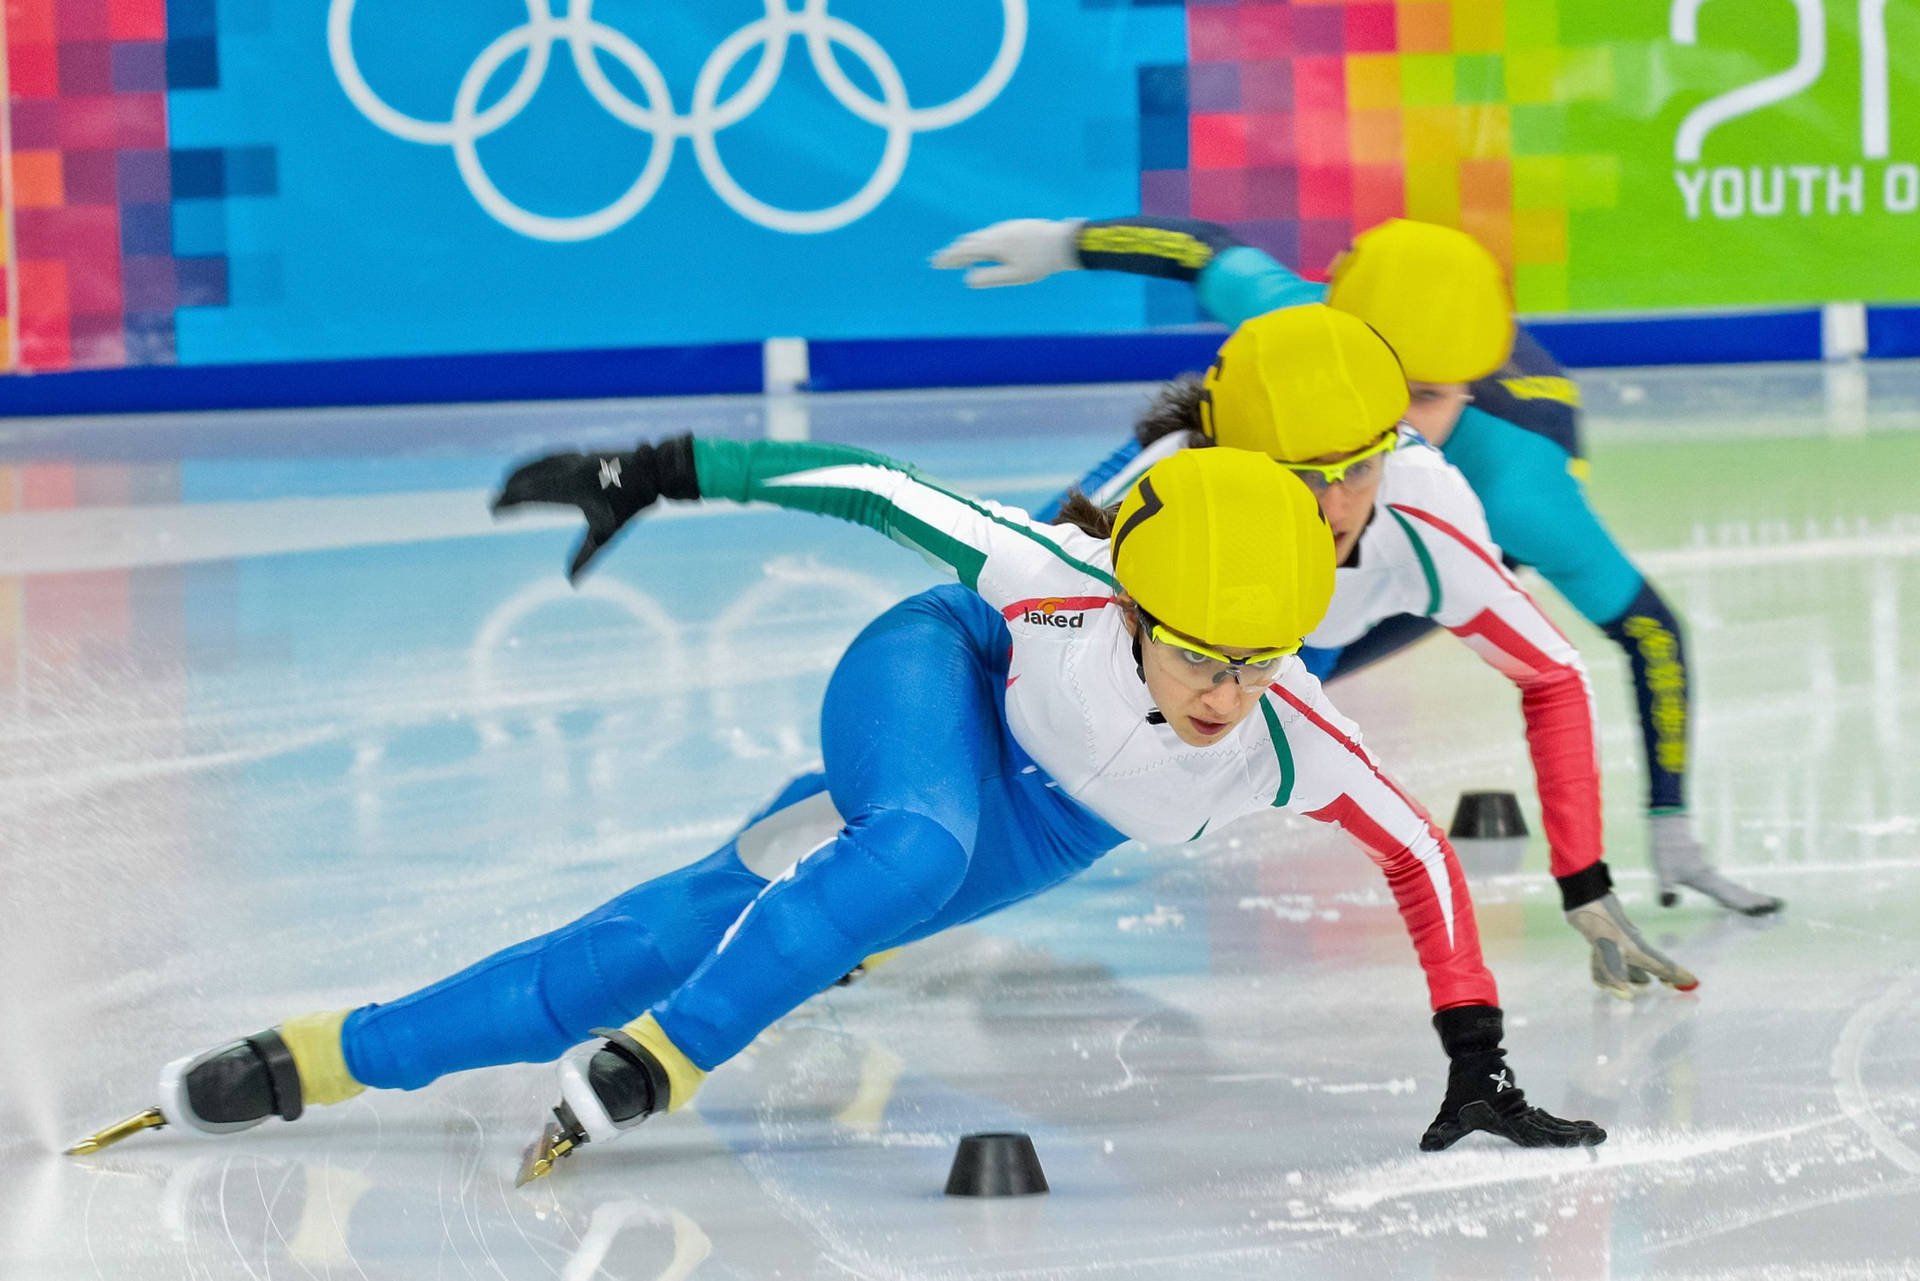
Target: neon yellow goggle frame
point(1258, 665)
point(1324, 476)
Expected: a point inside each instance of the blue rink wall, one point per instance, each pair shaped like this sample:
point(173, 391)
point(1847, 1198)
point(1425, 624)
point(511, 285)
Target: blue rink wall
point(854, 364)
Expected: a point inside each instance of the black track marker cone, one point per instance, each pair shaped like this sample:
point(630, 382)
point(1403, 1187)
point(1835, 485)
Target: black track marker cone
point(996, 1165)
point(1485, 816)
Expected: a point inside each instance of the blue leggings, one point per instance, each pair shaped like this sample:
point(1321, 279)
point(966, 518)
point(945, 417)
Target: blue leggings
point(945, 819)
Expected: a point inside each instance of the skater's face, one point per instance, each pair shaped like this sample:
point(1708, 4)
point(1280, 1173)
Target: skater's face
point(1433, 408)
point(1345, 490)
point(1200, 714)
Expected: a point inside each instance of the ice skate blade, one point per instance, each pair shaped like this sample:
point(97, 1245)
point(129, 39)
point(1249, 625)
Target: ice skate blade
point(537, 1161)
point(148, 1120)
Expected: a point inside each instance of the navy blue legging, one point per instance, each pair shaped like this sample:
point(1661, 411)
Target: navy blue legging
point(945, 820)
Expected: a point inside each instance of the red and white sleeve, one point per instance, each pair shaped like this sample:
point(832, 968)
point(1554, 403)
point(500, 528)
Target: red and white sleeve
point(1480, 602)
point(1336, 781)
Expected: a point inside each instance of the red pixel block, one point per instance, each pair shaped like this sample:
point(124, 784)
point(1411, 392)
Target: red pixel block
point(1322, 141)
point(1379, 193)
point(30, 22)
point(137, 19)
point(33, 70)
point(43, 314)
point(1325, 192)
point(1217, 141)
point(1320, 85)
point(1371, 28)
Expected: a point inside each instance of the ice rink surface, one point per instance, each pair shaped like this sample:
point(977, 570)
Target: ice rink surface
point(287, 723)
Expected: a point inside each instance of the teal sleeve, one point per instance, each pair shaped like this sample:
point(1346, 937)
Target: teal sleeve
point(1538, 513)
point(1244, 282)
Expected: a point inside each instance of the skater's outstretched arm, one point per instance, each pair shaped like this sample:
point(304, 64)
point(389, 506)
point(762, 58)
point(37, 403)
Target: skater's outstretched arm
point(1335, 781)
point(1234, 282)
point(996, 551)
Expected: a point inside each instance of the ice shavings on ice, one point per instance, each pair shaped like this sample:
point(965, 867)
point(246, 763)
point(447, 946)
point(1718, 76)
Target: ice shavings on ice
point(1427, 1175)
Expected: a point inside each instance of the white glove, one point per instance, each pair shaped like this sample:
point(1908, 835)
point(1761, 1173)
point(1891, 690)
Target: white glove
point(1622, 960)
point(1017, 252)
point(1679, 860)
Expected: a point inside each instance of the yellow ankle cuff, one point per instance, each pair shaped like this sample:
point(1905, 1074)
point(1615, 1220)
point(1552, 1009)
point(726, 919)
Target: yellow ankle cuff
point(683, 1078)
point(314, 1042)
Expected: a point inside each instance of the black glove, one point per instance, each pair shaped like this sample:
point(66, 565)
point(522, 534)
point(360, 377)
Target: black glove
point(1482, 1094)
point(609, 488)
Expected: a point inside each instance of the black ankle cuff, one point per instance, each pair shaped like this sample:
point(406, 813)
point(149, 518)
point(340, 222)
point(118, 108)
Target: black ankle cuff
point(1585, 885)
point(282, 1073)
point(652, 1077)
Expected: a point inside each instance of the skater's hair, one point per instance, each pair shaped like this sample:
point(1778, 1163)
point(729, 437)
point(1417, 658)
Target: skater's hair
point(1175, 407)
point(1086, 515)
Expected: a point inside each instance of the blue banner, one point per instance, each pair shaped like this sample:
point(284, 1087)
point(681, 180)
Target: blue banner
point(395, 177)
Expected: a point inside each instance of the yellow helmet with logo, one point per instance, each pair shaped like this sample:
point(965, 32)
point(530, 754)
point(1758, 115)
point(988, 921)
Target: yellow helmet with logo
point(1301, 383)
point(1227, 547)
point(1435, 293)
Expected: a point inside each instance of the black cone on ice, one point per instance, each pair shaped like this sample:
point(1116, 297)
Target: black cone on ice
point(996, 1165)
point(1483, 816)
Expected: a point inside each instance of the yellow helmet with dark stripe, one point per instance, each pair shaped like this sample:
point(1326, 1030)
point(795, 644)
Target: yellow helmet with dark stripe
point(1225, 546)
point(1435, 293)
point(1302, 383)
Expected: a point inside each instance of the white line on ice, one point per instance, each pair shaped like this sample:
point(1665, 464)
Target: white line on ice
point(1852, 1092)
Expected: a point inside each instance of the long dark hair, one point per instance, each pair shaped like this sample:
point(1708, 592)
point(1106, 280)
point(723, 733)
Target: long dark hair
point(1086, 515)
point(1175, 407)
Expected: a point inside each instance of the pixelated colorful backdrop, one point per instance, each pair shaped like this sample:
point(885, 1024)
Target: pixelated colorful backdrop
point(210, 181)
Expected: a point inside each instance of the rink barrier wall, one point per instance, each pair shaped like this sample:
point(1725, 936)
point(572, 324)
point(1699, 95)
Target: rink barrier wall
point(789, 364)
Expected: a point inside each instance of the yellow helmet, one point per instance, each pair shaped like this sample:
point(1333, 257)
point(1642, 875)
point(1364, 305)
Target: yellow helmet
point(1431, 291)
point(1301, 383)
point(1227, 547)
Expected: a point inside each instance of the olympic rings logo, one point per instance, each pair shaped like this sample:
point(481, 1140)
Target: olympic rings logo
point(586, 38)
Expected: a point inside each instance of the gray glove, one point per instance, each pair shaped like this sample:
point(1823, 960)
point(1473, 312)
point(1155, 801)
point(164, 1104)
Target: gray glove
point(1678, 860)
point(1622, 960)
point(1017, 252)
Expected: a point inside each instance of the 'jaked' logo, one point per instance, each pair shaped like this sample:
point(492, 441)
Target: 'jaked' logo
point(1048, 613)
point(1054, 611)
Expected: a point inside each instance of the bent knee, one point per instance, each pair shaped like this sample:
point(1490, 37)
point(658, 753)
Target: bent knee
point(889, 869)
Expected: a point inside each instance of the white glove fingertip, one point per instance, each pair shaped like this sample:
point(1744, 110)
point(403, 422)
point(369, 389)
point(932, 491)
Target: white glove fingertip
point(995, 276)
point(957, 254)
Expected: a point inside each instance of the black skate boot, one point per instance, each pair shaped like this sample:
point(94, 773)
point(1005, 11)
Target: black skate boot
point(238, 1085)
point(607, 1091)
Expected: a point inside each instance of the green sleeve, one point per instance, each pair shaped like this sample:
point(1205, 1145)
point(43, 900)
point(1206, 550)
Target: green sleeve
point(992, 549)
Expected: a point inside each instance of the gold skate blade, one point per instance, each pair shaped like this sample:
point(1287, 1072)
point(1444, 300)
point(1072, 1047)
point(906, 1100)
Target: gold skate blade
point(537, 1161)
point(148, 1120)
